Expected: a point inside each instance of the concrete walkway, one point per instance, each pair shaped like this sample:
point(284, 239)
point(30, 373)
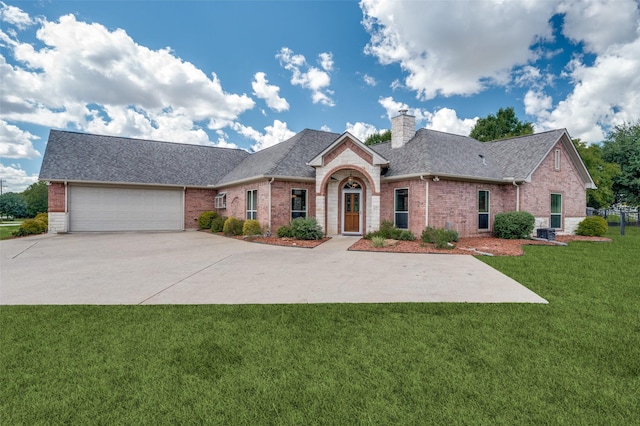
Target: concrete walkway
point(200, 268)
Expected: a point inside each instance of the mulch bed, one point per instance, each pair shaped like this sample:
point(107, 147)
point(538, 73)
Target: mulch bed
point(468, 246)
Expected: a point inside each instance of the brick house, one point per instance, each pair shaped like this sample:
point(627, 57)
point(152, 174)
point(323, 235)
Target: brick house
point(420, 178)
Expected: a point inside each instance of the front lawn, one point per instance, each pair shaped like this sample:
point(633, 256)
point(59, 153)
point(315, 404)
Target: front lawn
point(573, 361)
point(6, 232)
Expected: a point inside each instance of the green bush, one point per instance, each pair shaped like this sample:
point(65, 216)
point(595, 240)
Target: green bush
point(389, 231)
point(306, 228)
point(284, 232)
point(406, 235)
point(378, 241)
point(43, 217)
point(251, 227)
point(205, 219)
point(217, 224)
point(30, 227)
point(513, 225)
point(233, 226)
point(438, 236)
point(592, 226)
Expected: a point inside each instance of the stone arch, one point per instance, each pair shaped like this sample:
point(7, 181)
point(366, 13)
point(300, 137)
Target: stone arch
point(323, 185)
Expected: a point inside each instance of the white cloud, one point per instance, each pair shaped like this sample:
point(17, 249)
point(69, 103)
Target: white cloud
point(15, 16)
point(604, 94)
point(455, 48)
point(315, 79)
point(362, 130)
point(446, 120)
point(111, 72)
point(600, 23)
point(263, 90)
point(15, 142)
point(537, 103)
point(272, 135)
point(369, 81)
point(15, 179)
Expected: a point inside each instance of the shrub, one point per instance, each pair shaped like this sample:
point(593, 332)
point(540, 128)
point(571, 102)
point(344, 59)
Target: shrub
point(30, 227)
point(513, 225)
point(440, 237)
point(217, 224)
point(284, 232)
point(43, 217)
point(406, 235)
point(389, 231)
point(251, 227)
point(306, 228)
point(593, 226)
point(378, 241)
point(233, 226)
point(205, 219)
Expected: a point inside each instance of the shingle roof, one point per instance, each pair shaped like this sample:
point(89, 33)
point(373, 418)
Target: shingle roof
point(436, 153)
point(288, 158)
point(520, 156)
point(84, 157)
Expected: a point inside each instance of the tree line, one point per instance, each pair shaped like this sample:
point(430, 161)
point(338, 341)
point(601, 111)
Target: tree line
point(27, 203)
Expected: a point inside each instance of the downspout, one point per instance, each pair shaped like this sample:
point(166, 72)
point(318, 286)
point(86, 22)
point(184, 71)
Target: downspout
point(517, 195)
point(269, 224)
point(426, 200)
point(66, 207)
point(184, 206)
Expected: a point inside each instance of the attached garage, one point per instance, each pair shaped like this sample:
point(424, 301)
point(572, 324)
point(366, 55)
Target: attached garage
point(99, 208)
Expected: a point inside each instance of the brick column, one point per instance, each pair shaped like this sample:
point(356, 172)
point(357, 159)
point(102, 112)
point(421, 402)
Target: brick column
point(320, 209)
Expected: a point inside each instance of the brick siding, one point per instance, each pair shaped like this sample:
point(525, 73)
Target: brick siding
point(196, 201)
point(56, 201)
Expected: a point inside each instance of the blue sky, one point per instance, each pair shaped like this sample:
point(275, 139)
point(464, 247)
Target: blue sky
point(249, 74)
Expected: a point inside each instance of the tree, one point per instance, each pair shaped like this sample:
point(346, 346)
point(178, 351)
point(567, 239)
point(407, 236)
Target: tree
point(602, 173)
point(622, 147)
point(504, 124)
point(377, 138)
point(13, 204)
point(37, 196)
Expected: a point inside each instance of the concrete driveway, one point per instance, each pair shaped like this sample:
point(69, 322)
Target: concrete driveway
point(201, 268)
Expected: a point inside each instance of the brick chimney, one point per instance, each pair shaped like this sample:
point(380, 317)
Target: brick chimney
point(403, 129)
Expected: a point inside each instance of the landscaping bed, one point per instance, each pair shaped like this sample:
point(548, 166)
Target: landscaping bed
point(469, 246)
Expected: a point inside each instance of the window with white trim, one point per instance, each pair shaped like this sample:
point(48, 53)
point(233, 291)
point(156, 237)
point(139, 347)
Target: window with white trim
point(483, 210)
point(401, 212)
point(557, 159)
point(221, 201)
point(556, 211)
point(298, 203)
point(252, 204)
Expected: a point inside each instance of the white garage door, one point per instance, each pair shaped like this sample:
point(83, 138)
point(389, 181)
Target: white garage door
point(124, 209)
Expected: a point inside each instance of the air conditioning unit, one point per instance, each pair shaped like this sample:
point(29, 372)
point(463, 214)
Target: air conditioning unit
point(546, 233)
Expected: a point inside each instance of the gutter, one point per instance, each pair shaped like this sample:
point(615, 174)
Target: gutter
point(269, 224)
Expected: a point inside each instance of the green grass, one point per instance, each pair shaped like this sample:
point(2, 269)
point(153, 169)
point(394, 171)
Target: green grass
point(573, 361)
point(7, 231)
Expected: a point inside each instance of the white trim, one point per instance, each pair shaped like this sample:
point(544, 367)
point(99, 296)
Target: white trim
point(377, 159)
point(222, 197)
point(352, 191)
point(246, 204)
point(488, 212)
point(306, 203)
point(395, 190)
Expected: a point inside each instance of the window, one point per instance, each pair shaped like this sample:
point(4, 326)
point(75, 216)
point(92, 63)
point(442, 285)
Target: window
point(556, 210)
point(298, 203)
point(252, 204)
point(221, 201)
point(557, 159)
point(483, 210)
point(402, 208)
